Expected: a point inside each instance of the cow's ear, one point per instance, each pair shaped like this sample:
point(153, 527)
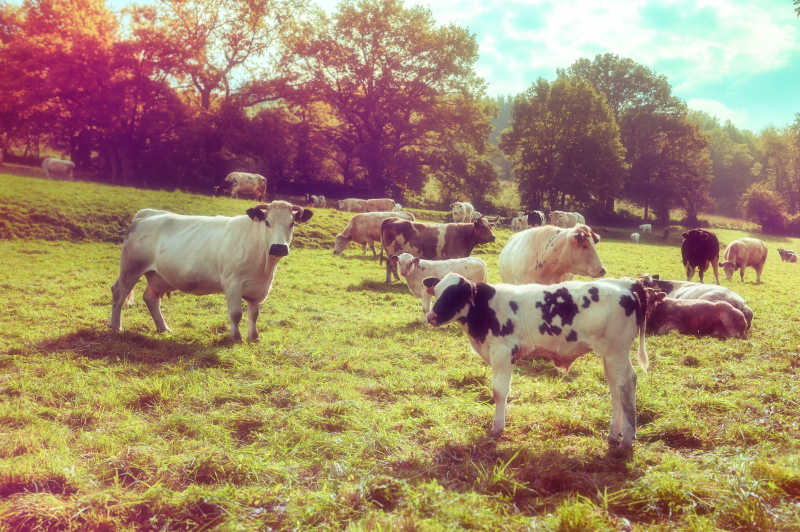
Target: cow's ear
point(394, 260)
point(256, 214)
point(595, 237)
point(579, 238)
point(300, 214)
point(430, 283)
point(415, 262)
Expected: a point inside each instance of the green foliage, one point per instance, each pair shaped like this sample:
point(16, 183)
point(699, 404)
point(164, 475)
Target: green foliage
point(762, 204)
point(565, 144)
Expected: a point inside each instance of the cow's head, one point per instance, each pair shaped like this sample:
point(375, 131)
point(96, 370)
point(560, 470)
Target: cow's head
point(729, 268)
point(279, 218)
point(340, 243)
point(482, 231)
point(455, 296)
point(406, 263)
point(582, 254)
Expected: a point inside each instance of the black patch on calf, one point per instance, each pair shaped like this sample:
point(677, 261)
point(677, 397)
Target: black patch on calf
point(513, 305)
point(586, 302)
point(594, 292)
point(628, 303)
point(572, 336)
point(558, 303)
point(452, 300)
point(482, 318)
point(552, 330)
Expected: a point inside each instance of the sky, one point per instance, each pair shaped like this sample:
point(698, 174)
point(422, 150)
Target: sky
point(738, 60)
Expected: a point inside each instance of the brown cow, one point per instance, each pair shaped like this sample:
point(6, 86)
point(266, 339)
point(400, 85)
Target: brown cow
point(432, 241)
point(697, 317)
point(742, 253)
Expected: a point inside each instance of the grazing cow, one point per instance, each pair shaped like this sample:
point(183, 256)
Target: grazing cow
point(698, 317)
point(380, 205)
point(708, 292)
point(506, 322)
point(318, 201)
point(365, 228)
point(524, 220)
point(635, 237)
point(432, 241)
point(204, 255)
point(461, 211)
point(566, 219)
point(742, 253)
point(700, 249)
point(247, 184)
point(787, 255)
point(415, 270)
point(58, 168)
point(646, 228)
point(549, 254)
point(353, 205)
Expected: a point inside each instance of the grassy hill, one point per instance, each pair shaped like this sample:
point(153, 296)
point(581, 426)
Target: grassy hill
point(351, 413)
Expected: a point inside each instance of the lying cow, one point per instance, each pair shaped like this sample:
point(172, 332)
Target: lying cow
point(742, 253)
point(507, 322)
point(318, 201)
point(365, 229)
point(461, 211)
point(566, 219)
point(415, 270)
point(204, 255)
point(247, 184)
point(697, 317)
point(787, 255)
point(58, 168)
point(700, 248)
point(707, 292)
point(550, 254)
point(432, 241)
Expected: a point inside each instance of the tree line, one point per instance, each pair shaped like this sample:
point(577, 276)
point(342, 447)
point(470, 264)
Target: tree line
point(376, 97)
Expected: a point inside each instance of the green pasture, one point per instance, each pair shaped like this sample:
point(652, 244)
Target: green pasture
point(351, 413)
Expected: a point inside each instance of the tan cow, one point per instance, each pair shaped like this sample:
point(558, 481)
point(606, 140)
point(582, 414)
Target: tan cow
point(247, 184)
point(365, 228)
point(550, 254)
point(58, 168)
point(742, 253)
point(566, 219)
point(353, 205)
point(380, 205)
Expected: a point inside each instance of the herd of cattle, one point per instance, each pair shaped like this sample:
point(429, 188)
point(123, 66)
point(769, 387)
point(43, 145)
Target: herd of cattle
point(536, 310)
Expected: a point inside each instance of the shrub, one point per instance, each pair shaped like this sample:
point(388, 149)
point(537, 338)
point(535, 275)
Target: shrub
point(762, 204)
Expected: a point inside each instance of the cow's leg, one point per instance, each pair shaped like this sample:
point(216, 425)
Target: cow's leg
point(689, 272)
point(120, 292)
point(252, 316)
point(501, 386)
point(758, 272)
point(715, 265)
point(388, 271)
point(622, 384)
point(156, 287)
point(363, 248)
point(234, 299)
point(426, 303)
point(372, 247)
point(701, 271)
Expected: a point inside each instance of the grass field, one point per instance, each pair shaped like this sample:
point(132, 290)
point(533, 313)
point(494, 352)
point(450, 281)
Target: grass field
point(351, 413)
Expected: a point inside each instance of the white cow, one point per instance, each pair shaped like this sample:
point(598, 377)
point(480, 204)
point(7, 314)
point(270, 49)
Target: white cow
point(549, 255)
point(204, 255)
point(566, 219)
point(353, 205)
point(635, 237)
point(507, 322)
point(318, 201)
point(415, 270)
point(461, 211)
point(58, 168)
point(247, 184)
point(646, 228)
point(365, 229)
point(380, 204)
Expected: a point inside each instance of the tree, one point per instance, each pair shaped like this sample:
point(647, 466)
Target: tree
point(565, 144)
point(762, 204)
point(397, 84)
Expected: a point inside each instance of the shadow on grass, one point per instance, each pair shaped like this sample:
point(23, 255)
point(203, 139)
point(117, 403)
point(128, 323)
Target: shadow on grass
point(379, 286)
point(129, 346)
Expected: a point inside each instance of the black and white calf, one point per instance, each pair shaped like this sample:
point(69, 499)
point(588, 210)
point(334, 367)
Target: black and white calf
point(561, 322)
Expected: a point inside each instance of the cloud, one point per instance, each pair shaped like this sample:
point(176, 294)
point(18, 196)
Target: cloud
point(718, 109)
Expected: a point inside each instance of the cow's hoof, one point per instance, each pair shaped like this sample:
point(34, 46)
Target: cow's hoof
point(620, 451)
point(495, 432)
point(253, 339)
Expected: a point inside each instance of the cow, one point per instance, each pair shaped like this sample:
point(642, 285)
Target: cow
point(742, 253)
point(414, 270)
point(505, 323)
point(787, 255)
point(431, 240)
point(475, 215)
point(524, 220)
point(318, 201)
point(550, 254)
point(365, 229)
point(353, 205)
point(247, 184)
point(380, 205)
point(698, 317)
point(635, 237)
point(566, 219)
point(58, 168)
point(461, 211)
point(646, 228)
point(708, 292)
point(206, 254)
point(700, 248)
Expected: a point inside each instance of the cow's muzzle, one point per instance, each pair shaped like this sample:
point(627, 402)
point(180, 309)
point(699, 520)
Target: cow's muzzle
point(432, 319)
point(279, 250)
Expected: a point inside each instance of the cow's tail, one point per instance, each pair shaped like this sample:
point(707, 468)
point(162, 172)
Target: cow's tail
point(646, 300)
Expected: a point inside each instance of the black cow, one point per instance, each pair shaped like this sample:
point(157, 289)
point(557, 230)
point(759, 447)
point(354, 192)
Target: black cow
point(699, 249)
